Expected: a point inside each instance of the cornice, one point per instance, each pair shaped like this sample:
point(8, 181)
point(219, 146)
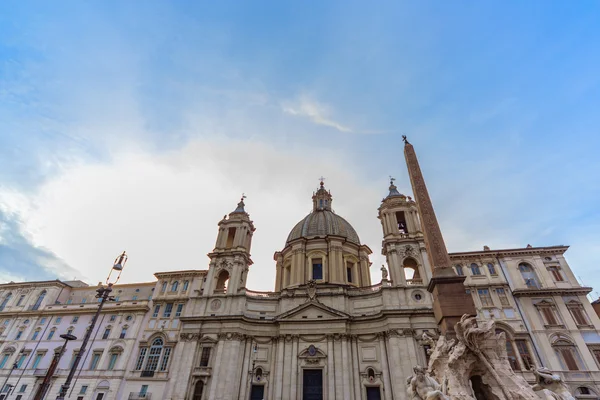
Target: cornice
point(511, 252)
point(551, 291)
point(173, 274)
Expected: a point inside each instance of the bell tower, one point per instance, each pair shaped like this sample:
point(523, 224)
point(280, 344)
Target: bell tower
point(403, 242)
point(230, 259)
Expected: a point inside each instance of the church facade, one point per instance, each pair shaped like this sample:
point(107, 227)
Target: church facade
point(325, 332)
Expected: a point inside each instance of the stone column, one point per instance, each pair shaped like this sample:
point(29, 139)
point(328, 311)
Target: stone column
point(356, 369)
point(272, 372)
point(385, 370)
point(287, 366)
point(346, 369)
point(248, 354)
point(330, 369)
point(214, 381)
point(224, 369)
point(396, 354)
point(339, 370)
point(279, 368)
point(294, 371)
point(235, 361)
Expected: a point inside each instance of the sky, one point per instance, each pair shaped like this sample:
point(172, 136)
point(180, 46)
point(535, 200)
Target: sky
point(137, 125)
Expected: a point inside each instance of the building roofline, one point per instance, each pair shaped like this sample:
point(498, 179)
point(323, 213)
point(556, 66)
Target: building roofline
point(559, 249)
point(29, 283)
point(181, 272)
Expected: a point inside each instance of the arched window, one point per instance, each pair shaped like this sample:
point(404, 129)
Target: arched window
point(39, 300)
point(154, 358)
point(174, 286)
point(36, 333)
point(164, 287)
point(492, 269)
point(185, 285)
point(371, 374)
point(411, 272)
point(51, 333)
point(567, 353)
point(258, 373)
point(5, 301)
point(529, 276)
point(198, 389)
point(459, 270)
point(475, 269)
point(222, 282)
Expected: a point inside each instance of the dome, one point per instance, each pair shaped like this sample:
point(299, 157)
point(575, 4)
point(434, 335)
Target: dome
point(322, 221)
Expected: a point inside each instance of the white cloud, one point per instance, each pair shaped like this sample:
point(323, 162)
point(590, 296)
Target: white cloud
point(316, 112)
point(164, 209)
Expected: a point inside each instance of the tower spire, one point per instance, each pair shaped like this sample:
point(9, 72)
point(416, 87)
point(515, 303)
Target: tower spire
point(450, 300)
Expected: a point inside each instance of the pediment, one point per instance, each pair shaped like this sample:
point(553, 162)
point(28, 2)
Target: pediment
point(312, 311)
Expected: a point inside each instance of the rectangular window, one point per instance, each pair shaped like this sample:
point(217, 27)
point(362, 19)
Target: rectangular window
point(69, 301)
point(502, 296)
point(23, 389)
point(168, 309)
point(179, 310)
point(74, 320)
point(38, 358)
point(35, 334)
point(595, 352)
point(112, 361)
point(509, 312)
point(57, 320)
point(205, 357)
point(95, 361)
point(51, 334)
point(578, 316)
point(113, 318)
point(484, 296)
point(459, 270)
point(83, 389)
point(492, 269)
point(165, 359)
point(140, 360)
point(19, 334)
point(569, 358)
point(42, 321)
point(512, 357)
point(156, 311)
point(185, 285)
point(349, 272)
point(20, 300)
point(523, 349)
point(230, 237)
point(143, 390)
point(555, 271)
point(123, 333)
point(106, 333)
point(84, 300)
point(21, 359)
point(5, 358)
point(317, 268)
point(549, 316)
point(475, 269)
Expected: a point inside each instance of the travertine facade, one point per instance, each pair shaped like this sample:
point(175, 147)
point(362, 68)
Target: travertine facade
point(326, 332)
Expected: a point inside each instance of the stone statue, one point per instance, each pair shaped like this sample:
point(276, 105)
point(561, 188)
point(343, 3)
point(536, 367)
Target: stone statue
point(475, 365)
point(421, 386)
point(550, 386)
point(428, 340)
point(384, 273)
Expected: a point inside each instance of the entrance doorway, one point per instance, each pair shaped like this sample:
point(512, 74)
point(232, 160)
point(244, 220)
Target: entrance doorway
point(257, 392)
point(373, 393)
point(312, 384)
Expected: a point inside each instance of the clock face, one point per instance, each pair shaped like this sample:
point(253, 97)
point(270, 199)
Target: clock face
point(312, 350)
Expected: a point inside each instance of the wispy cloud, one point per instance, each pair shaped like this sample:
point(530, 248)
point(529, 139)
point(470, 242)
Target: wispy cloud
point(316, 112)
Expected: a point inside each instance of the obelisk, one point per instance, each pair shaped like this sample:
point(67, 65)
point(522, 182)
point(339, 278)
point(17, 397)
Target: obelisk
point(450, 298)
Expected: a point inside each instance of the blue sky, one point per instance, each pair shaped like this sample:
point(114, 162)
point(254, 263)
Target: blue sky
point(137, 125)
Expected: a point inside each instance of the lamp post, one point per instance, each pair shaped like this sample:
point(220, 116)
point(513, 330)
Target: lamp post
point(41, 392)
point(103, 293)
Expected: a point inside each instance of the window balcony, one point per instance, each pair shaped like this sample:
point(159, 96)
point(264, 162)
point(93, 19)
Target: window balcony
point(40, 372)
point(139, 396)
point(147, 374)
point(414, 282)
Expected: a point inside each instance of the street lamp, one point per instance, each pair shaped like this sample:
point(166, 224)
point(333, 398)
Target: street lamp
point(103, 293)
point(41, 392)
